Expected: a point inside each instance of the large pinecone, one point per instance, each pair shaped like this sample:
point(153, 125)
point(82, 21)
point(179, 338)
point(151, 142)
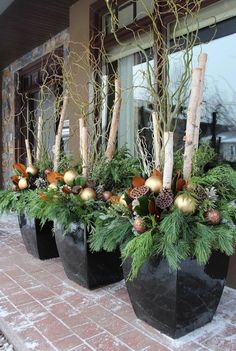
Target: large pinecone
point(164, 199)
point(201, 193)
point(99, 191)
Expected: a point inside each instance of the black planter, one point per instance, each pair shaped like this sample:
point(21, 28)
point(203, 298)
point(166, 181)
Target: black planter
point(39, 241)
point(89, 269)
point(177, 303)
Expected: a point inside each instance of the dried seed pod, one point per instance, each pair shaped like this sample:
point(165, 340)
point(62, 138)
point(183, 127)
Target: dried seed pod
point(137, 192)
point(115, 199)
point(164, 199)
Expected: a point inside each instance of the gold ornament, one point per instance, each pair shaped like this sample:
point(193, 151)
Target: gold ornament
point(23, 184)
point(185, 203)
point(70, 176)
point(139, 225)
point(107, 195)
point(122, 201)
point(32, 170)
point(52, 186)
point(213, 217)
point(154, 183)
point(87, 194)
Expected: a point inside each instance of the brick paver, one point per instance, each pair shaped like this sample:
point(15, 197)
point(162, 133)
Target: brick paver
point(49, 312)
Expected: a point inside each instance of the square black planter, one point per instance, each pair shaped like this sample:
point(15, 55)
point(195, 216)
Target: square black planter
point(179, 302)
point(39, 240)
point(89, 269)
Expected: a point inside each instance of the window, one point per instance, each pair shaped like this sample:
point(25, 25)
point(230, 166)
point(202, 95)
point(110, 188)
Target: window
point(127, 13)
point(219, 111)
point(218, 124)
point(32, 103)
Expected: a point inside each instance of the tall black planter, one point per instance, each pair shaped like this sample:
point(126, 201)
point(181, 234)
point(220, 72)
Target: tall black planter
point(39, 241)
point(177, 303)
point(89, 269)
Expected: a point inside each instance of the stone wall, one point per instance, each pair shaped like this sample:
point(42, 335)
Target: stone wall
point(8, 98)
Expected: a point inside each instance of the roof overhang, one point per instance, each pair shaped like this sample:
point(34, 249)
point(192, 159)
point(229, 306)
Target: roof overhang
point(26, 24)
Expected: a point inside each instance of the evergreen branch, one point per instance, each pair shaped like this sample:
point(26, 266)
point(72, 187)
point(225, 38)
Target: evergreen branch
point(140, 249)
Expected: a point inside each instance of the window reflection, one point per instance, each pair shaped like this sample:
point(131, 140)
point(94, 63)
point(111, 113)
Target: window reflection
point(218, 122)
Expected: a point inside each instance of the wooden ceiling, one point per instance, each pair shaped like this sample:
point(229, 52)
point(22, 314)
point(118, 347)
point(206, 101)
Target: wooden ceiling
point(26, 24)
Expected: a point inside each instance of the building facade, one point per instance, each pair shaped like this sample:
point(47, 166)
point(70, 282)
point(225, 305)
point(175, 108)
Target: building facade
point(42, 27)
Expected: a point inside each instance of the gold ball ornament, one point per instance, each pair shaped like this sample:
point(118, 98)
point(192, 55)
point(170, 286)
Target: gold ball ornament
point(23, 184)
point(139, 225)
point(87, 194)
point(154, 183)
point(32, 170)
point(213, 217)
point(122, 201)
point(185, 203)
point(70, 176)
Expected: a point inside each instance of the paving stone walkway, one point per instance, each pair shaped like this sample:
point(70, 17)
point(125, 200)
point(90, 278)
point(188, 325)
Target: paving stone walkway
point(45, 311)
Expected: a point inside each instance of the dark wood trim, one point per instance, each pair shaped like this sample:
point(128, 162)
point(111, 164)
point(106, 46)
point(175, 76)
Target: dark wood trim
point(99, 8)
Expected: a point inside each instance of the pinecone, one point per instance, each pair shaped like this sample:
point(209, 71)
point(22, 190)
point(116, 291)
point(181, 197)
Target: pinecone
point(201, 193)
point(164, 199)
point(109, 185)
point(40, 183)
point(139, 191)
point(211, 194)
point(99, 191)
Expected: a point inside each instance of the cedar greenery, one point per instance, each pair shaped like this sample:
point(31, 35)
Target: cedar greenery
point(117, 173)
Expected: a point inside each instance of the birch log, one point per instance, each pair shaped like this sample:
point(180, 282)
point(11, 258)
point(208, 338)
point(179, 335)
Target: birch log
point(39, 137)
point(57, 146)
point(191, 121)
point(81, 125)
point(111, 145)
point(156, 139)
point(202, 64)
point(84, 146)
point(169, 159)
point(28, 152)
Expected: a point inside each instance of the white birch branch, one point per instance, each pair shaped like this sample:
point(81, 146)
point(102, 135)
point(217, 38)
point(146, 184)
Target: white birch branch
point(84, 146)
point(202, 64)
point(191, 121)
point(111, 144)
point(39, 137)
point(157, 139)
point(59, 133)
point(28, 151)
point(169, 159)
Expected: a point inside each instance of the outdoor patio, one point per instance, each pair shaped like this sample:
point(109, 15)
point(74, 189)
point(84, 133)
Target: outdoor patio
point(41, 310)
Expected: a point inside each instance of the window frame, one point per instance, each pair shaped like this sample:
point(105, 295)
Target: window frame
point(33, 75)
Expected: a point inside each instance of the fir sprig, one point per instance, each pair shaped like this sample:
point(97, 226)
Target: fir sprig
point(139, 249)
